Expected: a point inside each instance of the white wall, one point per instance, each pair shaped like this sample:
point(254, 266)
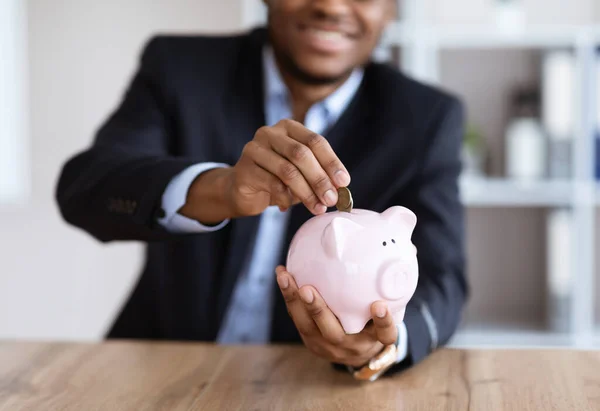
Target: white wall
point(55, 281)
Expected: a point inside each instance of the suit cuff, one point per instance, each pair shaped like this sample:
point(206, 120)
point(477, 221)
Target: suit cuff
point(423, 330)
point(175, 195)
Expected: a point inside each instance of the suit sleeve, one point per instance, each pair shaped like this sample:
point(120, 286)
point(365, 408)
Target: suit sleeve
point(113, 189)
point(434, 312)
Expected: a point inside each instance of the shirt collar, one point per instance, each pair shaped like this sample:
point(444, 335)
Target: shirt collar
point(334, 104)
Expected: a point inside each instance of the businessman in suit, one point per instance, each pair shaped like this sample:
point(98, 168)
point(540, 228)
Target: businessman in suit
point(223, 146)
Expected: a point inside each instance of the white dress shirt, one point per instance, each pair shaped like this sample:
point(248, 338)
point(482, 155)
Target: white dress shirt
point(248, 317)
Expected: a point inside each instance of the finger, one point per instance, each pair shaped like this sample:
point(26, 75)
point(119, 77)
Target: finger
point(323, 317)
point(278, 192)
point(304, 159)
point(383, 322)
point(294, 200)
point(360, 356)
point(288, 173)
point(322, 150)
point(369, 330)
point(303, 321)
point(290, 201)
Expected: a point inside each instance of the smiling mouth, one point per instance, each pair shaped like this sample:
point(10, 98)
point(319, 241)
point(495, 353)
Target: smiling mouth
point(328, 35)
point(327, 40)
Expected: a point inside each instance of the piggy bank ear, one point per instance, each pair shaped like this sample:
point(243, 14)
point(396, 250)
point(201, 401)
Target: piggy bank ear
point(336, 234)
point(401, 215)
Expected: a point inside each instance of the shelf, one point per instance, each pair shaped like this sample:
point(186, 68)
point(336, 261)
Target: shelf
point(507, 193)
point(535, 37)
point(520, 338)
point(509, 339)
point(508, 334)
point(448, 37)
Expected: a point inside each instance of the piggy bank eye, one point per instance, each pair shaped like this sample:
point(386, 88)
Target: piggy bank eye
point(384, 243)
point(393, 241)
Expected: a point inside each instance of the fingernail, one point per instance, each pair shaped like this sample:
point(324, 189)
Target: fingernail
point(307, 296)
point(320, 208)
point(380, 312)
point(342, 178)
point(330, 198)
point(283, 282)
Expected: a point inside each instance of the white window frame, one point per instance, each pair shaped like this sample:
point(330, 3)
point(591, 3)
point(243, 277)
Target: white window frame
point(15, 184)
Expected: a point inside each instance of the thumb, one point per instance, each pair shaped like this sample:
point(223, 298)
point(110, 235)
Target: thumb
point(383, 322)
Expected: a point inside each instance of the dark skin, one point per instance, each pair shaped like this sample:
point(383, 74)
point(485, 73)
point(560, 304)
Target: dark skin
point(317, 44)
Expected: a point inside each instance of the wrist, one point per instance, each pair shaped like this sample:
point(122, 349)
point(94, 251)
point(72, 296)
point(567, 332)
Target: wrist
point(207, 199)
point(385, 359)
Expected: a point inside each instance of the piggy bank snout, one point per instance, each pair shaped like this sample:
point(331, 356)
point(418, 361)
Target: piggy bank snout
point(393, 280)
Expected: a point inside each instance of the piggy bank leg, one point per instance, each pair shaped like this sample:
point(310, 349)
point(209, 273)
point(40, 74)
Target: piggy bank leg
point(353, 324)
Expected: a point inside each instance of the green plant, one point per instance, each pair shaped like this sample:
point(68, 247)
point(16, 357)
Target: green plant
point(473, 138)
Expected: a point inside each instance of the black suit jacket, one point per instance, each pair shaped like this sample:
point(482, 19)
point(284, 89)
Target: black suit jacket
point(200, 98)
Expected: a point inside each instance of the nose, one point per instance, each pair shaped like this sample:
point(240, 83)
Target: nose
point(331, 8)
point(392, 280)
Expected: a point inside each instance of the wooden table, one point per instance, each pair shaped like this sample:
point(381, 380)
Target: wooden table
point(135, 376)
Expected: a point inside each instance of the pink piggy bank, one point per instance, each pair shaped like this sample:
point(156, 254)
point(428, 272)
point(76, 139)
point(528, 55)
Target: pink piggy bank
point(354, 259)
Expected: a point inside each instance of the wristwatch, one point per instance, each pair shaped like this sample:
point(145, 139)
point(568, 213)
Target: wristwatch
point(379, 364)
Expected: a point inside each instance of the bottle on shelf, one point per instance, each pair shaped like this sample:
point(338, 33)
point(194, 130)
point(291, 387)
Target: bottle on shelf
point(559, 276)
point(525, 139)
point(558, 110)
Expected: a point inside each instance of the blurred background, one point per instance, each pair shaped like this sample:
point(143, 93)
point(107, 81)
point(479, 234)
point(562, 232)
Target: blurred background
point(528, 71)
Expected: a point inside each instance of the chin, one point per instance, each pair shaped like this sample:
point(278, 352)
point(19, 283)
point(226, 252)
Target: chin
point(321, 72)
point(325, 75)
point(312, 68)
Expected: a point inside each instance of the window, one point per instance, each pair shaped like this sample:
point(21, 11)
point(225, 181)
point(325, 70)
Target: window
point(14, 181)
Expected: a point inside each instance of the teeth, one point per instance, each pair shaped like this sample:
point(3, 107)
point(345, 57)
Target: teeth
point(328, 35)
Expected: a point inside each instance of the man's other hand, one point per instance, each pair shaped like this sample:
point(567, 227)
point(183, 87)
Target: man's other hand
point(322, 332)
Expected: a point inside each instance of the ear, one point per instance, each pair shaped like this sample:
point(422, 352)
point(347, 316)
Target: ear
point(401, 215)
point(336, 234)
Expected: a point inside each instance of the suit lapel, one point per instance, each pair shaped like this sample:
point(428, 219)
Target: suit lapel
point(242, 114)
point(243, 108)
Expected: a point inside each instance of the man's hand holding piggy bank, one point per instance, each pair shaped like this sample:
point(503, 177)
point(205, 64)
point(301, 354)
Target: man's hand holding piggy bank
point(344, 270)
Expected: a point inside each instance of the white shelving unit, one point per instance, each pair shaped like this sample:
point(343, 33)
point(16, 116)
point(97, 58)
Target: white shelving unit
point(421, 42)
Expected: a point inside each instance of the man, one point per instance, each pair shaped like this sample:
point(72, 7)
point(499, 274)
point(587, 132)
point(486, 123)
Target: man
point(224, 146)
